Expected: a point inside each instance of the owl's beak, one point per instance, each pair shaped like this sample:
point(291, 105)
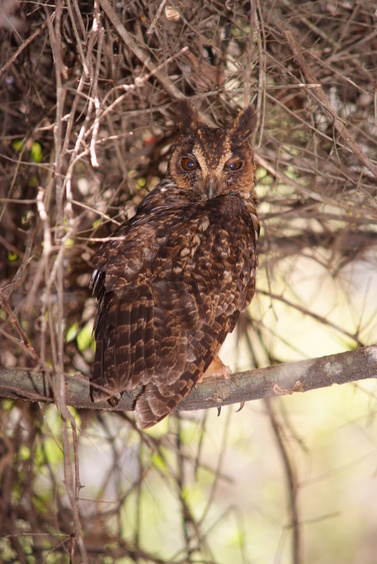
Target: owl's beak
point(210, 188)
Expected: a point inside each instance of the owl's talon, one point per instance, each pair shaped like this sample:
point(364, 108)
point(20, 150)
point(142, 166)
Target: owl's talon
point(234, 381)
point(242, 404)
point(219, 411)
point(115, 399)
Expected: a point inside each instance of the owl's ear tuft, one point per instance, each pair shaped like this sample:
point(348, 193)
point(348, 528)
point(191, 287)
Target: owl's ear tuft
point(187, 117)
point(244, 124)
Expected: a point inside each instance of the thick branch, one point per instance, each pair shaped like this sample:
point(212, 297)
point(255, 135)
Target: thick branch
point(212, 392)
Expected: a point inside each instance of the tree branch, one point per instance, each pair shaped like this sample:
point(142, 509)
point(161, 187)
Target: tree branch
point(212, 392)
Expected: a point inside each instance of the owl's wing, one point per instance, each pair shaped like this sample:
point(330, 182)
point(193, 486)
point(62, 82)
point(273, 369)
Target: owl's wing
point(169, 293)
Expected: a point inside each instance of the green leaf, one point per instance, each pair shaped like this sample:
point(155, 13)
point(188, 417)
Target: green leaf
point(36, 152)
point(18, 145)
point(72, 332)
point(12, 256)
point(85, 337)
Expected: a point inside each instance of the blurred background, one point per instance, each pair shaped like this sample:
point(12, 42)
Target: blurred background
point(87, 95)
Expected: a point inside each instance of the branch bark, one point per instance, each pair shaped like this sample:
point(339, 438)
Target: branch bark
point(268, 382)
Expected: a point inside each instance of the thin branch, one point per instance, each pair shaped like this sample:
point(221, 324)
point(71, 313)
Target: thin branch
point(139, 52)
point(278, 380)
point(321, 97)
point(292, 483)
point(22, 47)
point(24, 340)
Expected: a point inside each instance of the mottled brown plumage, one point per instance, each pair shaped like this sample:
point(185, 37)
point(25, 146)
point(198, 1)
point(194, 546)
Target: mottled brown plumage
point(173, 283)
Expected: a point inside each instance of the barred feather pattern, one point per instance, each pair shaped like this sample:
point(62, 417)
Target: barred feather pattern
point(172, 281)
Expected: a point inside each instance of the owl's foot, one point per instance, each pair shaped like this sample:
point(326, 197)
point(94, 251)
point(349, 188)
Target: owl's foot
point(217, 369)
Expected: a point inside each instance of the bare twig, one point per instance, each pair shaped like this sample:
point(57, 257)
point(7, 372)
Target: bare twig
point(139, 51)
point(292, 484)
point(24, 340)
point(320, 96)
point(22, 47)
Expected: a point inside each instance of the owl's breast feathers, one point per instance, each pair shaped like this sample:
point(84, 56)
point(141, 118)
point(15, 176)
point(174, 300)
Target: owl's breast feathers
point(170, 288)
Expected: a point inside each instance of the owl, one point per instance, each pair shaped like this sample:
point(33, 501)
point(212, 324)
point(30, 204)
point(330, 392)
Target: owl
point(172, 281)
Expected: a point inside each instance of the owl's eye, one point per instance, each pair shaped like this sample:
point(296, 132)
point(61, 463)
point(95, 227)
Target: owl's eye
point(188, 163)
point(235, 165)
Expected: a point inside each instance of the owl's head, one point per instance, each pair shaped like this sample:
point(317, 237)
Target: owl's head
point(211, 161)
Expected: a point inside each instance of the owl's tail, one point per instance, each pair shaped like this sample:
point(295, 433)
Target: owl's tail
point(157, 401)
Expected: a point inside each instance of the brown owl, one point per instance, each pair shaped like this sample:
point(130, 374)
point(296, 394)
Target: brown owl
point(172, 284)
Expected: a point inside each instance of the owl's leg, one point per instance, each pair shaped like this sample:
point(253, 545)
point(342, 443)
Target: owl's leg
point(216, 369)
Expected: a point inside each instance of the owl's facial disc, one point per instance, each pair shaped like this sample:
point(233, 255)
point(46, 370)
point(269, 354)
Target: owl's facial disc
point(209, 162)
